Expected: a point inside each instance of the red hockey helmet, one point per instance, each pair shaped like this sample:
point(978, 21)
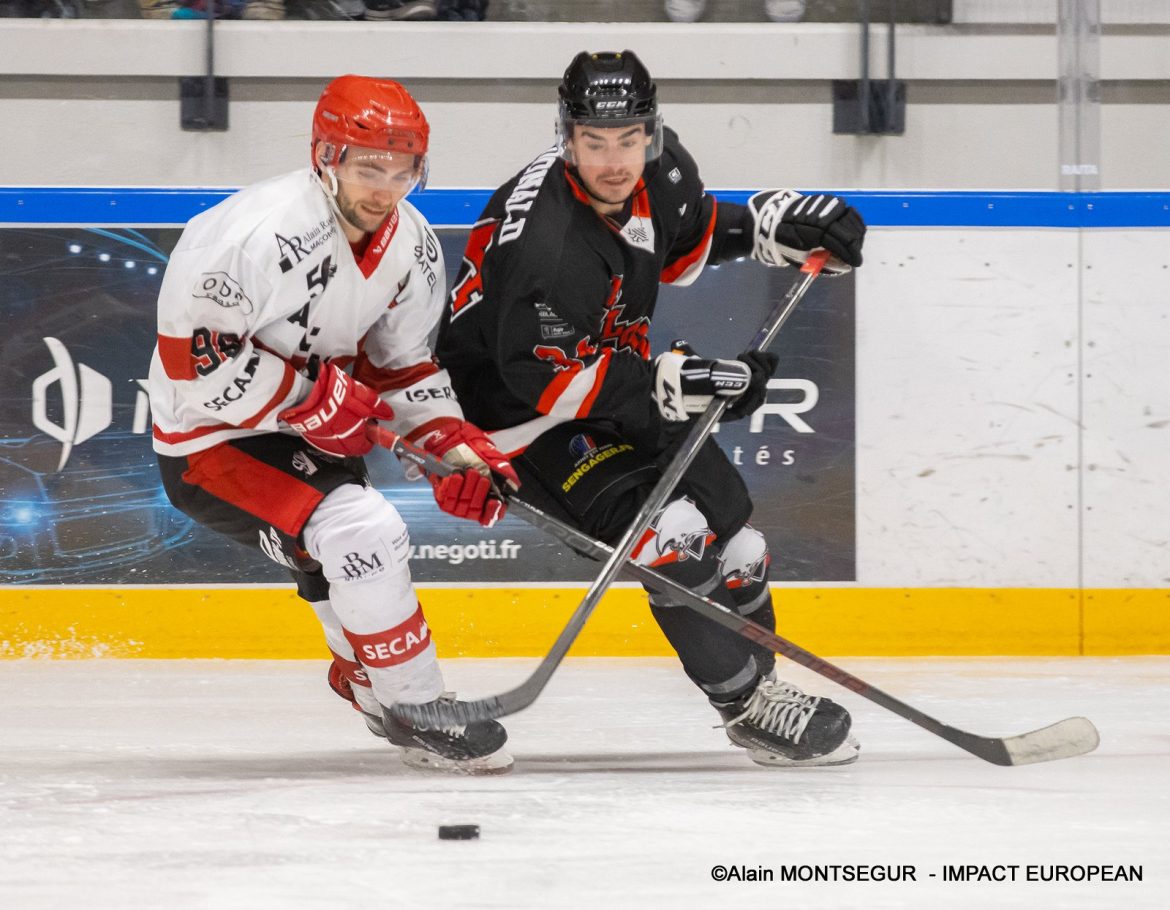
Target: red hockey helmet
point(370, 113)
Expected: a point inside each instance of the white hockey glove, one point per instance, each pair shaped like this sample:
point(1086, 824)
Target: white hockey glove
point(788, 226)
point(684, 383)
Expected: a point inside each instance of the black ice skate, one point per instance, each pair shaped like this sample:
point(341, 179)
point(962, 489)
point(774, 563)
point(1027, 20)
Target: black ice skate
point(477, 748)
point(778, 724)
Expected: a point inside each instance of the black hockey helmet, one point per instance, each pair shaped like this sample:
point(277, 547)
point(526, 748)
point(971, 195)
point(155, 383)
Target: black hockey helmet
point(610, 90)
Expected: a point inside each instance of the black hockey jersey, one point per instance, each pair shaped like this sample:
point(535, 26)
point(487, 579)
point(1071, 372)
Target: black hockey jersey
point(549, 315)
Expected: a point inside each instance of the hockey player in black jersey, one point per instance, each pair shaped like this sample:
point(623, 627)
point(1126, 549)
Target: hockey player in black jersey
point(545, 337)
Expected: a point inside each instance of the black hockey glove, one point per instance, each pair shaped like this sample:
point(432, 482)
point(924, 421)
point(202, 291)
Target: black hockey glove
point(788, 226)
point(763, 365)
point(685, 383)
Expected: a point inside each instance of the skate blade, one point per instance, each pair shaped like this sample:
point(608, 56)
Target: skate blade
point(845, 754)
point(499, 762)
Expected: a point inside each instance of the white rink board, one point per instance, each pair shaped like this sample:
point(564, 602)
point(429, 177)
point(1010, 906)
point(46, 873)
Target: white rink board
point(1127, 408)
point(967, 408)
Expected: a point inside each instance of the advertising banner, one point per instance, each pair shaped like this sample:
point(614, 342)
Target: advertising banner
point(80, 498)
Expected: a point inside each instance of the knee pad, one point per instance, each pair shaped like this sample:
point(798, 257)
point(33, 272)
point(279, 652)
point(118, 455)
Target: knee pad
point(743, 565)
point(679, 532)
point(363, 547)
point(357, 536)
point(677, 544)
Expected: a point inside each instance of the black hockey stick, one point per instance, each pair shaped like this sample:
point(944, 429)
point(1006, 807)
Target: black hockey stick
point(452, 713)
point(1064, 739)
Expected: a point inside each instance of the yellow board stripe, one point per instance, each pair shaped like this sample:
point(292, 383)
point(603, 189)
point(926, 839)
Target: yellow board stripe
point(523, 622)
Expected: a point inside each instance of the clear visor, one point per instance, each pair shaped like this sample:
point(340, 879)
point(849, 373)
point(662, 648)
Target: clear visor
point(617, 138)
point(378, 169)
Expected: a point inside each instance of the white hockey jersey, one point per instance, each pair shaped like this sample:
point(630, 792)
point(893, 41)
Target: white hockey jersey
point(264, 285)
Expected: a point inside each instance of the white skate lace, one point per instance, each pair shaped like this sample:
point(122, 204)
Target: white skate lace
point(794, 691)
point(780, 708)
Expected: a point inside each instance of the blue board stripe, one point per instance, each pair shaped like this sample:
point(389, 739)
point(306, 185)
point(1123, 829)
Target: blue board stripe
point(116, 206)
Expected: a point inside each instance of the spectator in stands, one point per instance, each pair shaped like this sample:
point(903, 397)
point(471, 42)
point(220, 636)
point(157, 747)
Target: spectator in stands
point(776, 10)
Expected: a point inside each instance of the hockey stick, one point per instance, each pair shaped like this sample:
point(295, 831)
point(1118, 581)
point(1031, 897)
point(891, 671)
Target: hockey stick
point(1065, 739)
point(450, 713)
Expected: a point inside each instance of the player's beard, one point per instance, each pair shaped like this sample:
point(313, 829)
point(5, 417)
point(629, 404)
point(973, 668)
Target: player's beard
point(611, 195)
point(351, 212)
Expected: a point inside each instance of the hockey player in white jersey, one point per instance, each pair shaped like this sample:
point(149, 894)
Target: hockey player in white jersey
point(291, 316)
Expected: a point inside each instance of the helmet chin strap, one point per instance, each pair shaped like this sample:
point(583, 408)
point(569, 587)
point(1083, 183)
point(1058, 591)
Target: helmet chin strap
point(330, 188)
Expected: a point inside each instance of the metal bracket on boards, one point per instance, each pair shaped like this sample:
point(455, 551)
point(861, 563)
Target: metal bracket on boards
point(203, 100)
point(203, 103)
point(882, 112)
point(871, 106)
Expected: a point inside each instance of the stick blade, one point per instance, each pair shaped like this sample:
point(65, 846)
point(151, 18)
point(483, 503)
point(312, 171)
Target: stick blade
point(439, 714)
point(1065, 739)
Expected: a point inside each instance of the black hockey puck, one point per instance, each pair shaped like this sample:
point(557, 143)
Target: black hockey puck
point(458, 832)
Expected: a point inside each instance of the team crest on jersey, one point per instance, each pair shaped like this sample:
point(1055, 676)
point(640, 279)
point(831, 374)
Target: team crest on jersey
point(639, 232)
point(619, 334)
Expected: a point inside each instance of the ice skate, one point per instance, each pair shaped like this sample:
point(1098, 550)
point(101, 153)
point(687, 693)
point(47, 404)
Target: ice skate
point(778, 724)
point(476, 748)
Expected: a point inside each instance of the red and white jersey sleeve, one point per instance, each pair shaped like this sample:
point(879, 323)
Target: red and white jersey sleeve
point(263, 288)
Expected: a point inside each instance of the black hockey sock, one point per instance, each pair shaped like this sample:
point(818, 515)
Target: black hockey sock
point(766, 617)
point(720, 662)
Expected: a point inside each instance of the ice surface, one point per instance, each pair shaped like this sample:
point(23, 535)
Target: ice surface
point(248, 784)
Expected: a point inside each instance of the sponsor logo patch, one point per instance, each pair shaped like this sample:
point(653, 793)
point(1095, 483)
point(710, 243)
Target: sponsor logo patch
point(271, 544)
point(394, 646)
point(560, 330)
point(223, 290)
point(588, 455)
point(303, 463)
point(358, 565)
point(292, 250)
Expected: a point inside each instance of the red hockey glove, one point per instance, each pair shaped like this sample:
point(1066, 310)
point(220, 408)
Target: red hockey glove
point(334, 416)
point(470, 493)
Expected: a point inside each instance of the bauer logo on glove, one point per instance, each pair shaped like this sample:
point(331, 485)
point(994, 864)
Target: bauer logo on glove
point(333, 418)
